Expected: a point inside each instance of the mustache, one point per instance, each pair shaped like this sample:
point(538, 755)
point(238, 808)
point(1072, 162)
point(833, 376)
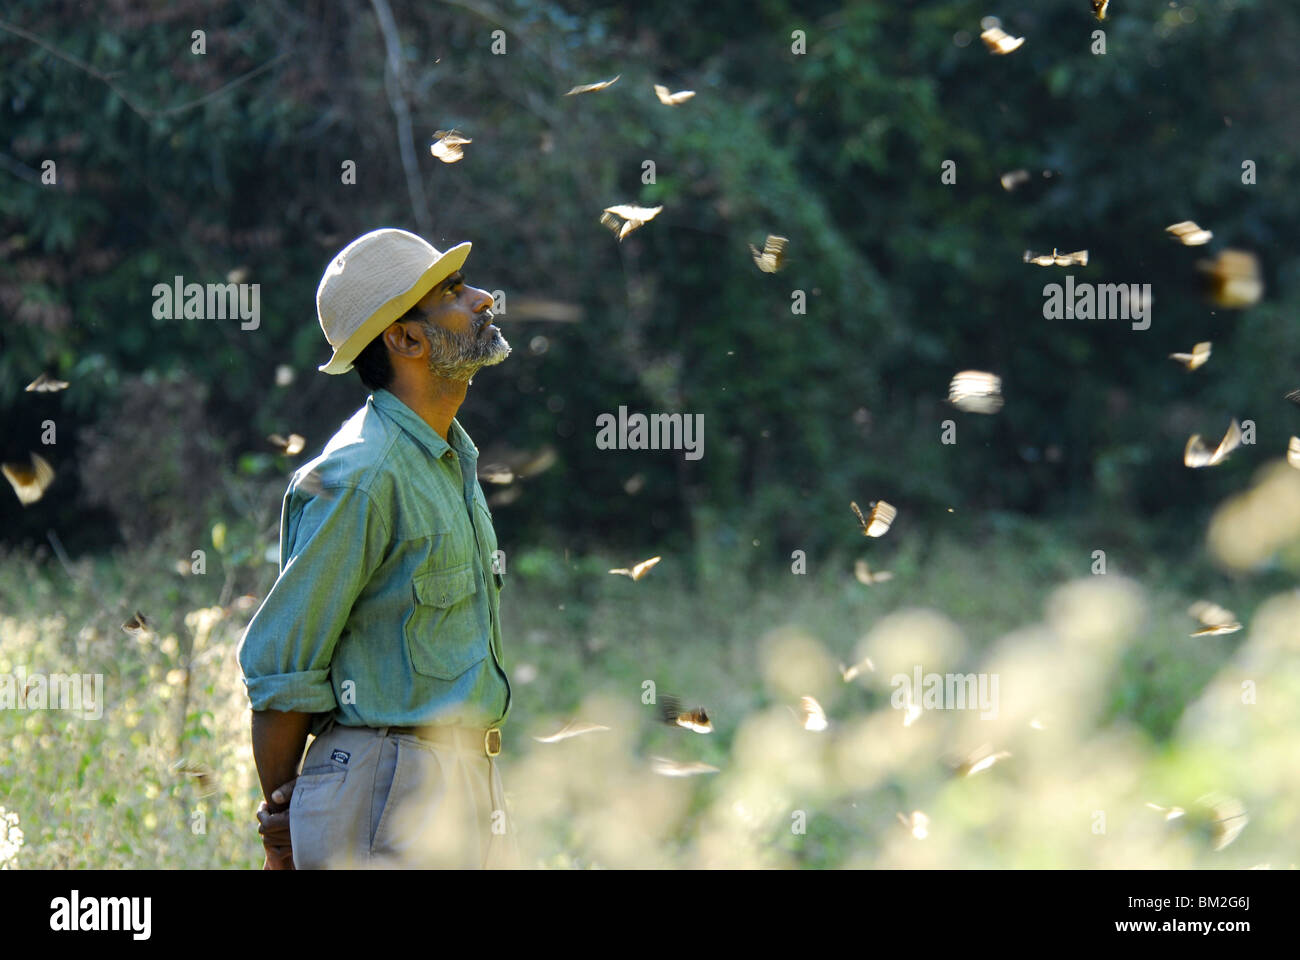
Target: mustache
point(488, 318)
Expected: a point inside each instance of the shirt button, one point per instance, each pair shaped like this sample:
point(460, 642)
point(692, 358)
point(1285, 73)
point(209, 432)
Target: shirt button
point(444, 598)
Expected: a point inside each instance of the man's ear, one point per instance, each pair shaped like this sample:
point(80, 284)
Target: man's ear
point(406, 338)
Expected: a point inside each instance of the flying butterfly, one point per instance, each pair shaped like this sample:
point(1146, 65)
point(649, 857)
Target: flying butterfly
point(772, 257)
point(449, 145)
point(29, 482)
point(46, 384)
point(1293, 452)
point(975, 391)
point(813, 716)
point(672, 99)
point(593, 87)
point(1013, 179)
point(1227, 818)
point(1189, 234)
point(877, 524)
point(136, 625)
point(640, 570)
point(911, 709)
point(851, 673)
point(1099, 8)
point(1196, 454)
point(865, 577)
point(1233, 279)
point(1000, 42)
point(671, 713)
point(497, 473)
point(1171, 813)
point(1079, 257)
point(632, 216)
point(289, 446)
point(1196, 359)
point(1216, 620)
point(673, 768)
point(574, 728)
point(979, 760)
point(918, 824)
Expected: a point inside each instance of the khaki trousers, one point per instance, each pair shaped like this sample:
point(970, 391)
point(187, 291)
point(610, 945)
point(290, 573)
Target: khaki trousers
point(370, 799)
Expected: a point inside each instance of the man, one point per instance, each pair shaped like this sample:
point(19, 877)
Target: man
point(382, 634)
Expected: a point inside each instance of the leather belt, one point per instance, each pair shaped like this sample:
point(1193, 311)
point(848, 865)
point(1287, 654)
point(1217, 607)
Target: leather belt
point(464, 738)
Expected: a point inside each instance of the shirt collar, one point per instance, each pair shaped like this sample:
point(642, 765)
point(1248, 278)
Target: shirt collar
point(425, 435)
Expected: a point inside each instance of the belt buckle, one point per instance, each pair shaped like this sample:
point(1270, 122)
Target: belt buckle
point(492, 741)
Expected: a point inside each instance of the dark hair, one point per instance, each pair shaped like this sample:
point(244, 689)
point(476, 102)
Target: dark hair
point(373, 365)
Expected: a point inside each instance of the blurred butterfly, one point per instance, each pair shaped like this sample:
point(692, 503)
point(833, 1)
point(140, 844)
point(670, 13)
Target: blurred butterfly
point(1014, 179)
point(538, 462)
point(772, 258)
point(671, 712)
point(1293, 452)
point(980, 760)
point(29, 482)
point(672, 768)
point(1196, 454)
point(289, 447)
point(878, 523)
point(1171, 813)
point(574, 728)
point(672, 99)
point(640, 570)
point(1217, 621)
point(1000, 42)
point(632, 216)
point(1099, 8)
point(911, 710)
point(592, 87)
point(497, 473)
point(1200, 353)
point(202, 777)
point(974, 391)
point(1189, 234)
point(1232, 279)
point(918, 824)
point(449, 145)
point(1054, 258)
point(866, 577)
point(46, 384)
point(237, 275)
point(851, 673)
point(136, 625)
point(814, 717)
point(1227, 818)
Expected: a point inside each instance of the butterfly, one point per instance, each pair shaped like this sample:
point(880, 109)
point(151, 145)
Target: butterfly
point(878, 523)
point(203, 777)
point(814, 717)
point(136, 625)
point(640, 570)
point(671, 712)
point(289, 447)
point(449, 145)
point(1000, 42)
point(672, 768)
point(980, 760)
point(1293, 396)
point(1014, 179)
point(574, 728)
point(497, 473)
point(866, 577)
point(592, 87)
point(30, 483)
point(1232, 279)
point(1054, 258)
point(772, 258)
point(911, 710)
point(1227, 818)
point(1197, 455)
point(1217, 621)
point(1099, 8)
point(918, 824)
point(45, 384)
point(974, 391)
point(1189, 234)
point(672, 99)
point(851, 673)
point(1200, 353)
point(1171, 813)
point(632, 216)
point(1293, 452)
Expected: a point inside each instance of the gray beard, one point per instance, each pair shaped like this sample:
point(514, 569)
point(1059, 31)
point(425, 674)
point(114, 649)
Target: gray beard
point(459, 356)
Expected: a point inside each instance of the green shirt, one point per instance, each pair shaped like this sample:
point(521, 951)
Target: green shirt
point(386, 611)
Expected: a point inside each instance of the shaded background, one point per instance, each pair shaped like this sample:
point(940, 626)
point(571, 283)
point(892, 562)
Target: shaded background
point(175, 163)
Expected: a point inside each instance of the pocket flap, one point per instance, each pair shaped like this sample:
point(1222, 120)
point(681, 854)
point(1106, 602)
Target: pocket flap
point(446, 588)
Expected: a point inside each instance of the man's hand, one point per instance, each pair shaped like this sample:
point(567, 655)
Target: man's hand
point(273, 825)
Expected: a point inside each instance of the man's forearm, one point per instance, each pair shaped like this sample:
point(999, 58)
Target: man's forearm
point(278, 741)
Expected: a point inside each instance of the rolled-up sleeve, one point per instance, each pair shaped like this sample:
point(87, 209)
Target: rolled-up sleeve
point(331, 543)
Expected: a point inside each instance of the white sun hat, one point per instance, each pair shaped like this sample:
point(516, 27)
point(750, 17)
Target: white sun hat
point(374, 280)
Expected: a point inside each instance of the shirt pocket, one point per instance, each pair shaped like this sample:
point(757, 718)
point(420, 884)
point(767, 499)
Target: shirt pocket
point(497, 564)
point(443, 631)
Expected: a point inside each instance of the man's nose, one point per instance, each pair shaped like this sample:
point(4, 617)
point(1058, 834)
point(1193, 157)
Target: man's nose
point(482, 299)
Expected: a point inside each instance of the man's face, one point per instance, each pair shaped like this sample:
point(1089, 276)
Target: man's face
point(457, 320)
